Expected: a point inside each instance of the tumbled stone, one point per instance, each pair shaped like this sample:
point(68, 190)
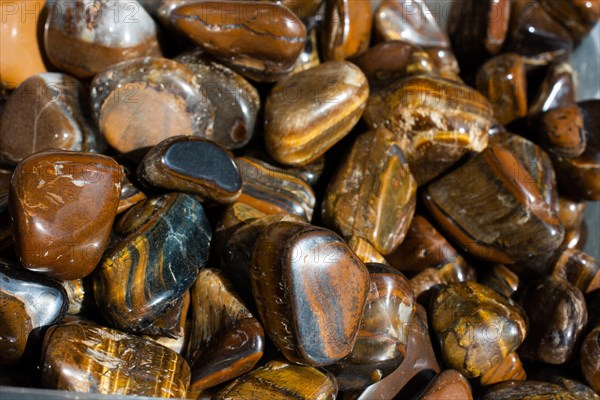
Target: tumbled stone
point(225, 341)
point(310, 111)
point(437, 121)
point(383, 336)
point(347, 29)
point(171, 323)
point(130, 196)
point(503, 81)
point(235, 100)
point(28, 304)
point(165, 244)
point(81, 356)
point(373, 194)
point(590, 358)
point(83, 37)
point(192, 165)
point(527, 390)
point(141, 102)
point(497, 213)
point(310, 291)
point(260, 40)
point(571, 212)
point(62, 207)
point(579, 268)
point(477, 327)
point(280, 380)
point(559, 88)
point(363, 249)
point(273, 190)
point(426, 282)
point(501, 279)
point(79, 294)
point(46, 111)
point(555, 328)
point(578, 17)
point(509, 369)
point(449, 384)
point(562, 131)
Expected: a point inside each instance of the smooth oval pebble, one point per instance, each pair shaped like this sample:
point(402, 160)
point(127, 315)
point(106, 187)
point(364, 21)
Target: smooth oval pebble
point(559, 88)
point(590, 358)
point(555, 329)
point(578, 268)
point(62, 207)
point(562, 131)
point(571, 212)
point(192, 165)
point(373, 193)
point(281, 380)
point(81, 356)
point(449, 384)
point(46, 111)
point(83, 38)
point(347, 29)
point(477, 327)
point(165, 244)
point(261, 40)
point(28, 304)
point(310, 291)
point(310, 111)
point(141, 102)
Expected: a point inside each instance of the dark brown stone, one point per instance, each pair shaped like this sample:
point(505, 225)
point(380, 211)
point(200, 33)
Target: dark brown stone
point(347, 29)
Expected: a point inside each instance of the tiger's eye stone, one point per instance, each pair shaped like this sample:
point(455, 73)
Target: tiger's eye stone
point(559, 88)
point(576, 388)
point(418, 367)
point(501, 279)
point(272, 190)
point(509, 369)
point(562, 131)
point(373, 194)
point(141, 102)
point(535, 162)
point(165, 244)
point(478, 28)
point(310, 111)
point(84, 357)
point(236, 101)
point(426, 282)
point(46, 111)
point(310, 291)
point(28, 303)
point(281, 380)
point(235, 215)
point(571, 212)
point(260, 40)
point(171, 323)
point(516, 223)
point(310, 173)
point(576, 238)
point(555, 328)
point(527, 390)
point(580, 269)
point(423, 247)
point(502, 80)
point(477, 327)
point(363, 249)
point(411, 21)
point(383, 335)
point(130, 196)
point(226, 341)
point(347, 29)
point(21, 52)
point(83, 38)
point(535, 35)
point(193, 165)
point(449, 384)
point(62, 206)
point(436, 121)
point(577, 16)
point(78, 295)
point(590, 358)
point(580, 176)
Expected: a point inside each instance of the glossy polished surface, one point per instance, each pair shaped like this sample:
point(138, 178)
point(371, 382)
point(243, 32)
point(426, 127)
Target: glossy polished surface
point(165, 244)
point(28, 302)
point(193, 165)
point(383, 336)
point(477, 328)
point(590, 358)
point(578, 268)
point(310, 291)
point(130, 196)
point(363, 249)
point(83, 38)
point(554, 329)
point(226, 341)
point(46, 111)
point(310, 111)
point(62, 207)
point(373, 194)
point(527, 390)
point(449, 384)
point(509, 369)
point(515, 224)
point(501, 279)
point(273, 190)
point(578, 16)
point(235, 100)
point(261, 40)
point(559, 88)
point(562, 131)
point(81, 356)
point(280, 380)
point(347, 30)
point(437, 121)
point(141, 102)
